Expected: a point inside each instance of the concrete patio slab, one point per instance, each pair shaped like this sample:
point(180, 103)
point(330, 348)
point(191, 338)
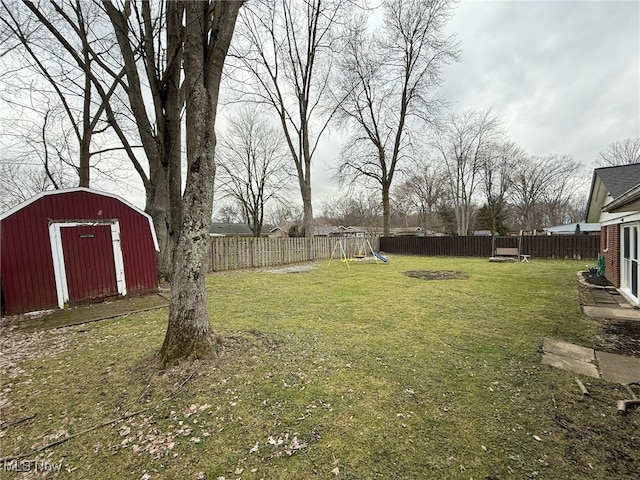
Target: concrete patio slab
point(571, 364)
point(612, 313)
point(569, 350)
point(604, 297)
point(618, 368)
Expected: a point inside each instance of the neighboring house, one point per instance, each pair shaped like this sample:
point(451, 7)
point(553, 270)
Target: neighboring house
point(278, 232)
point(407, 232)
point(339, 231)
point(74, 246)
point(230, 230)
point(482, 233)
point(614, 202)
point(572, 229)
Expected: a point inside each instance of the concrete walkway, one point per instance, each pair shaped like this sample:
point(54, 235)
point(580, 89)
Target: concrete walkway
point(589, 362)
point(597, 303)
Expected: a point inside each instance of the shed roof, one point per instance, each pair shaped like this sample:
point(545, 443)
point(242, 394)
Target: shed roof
point(63, 191)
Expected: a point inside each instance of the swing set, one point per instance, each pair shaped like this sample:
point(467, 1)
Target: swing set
point(352, 249)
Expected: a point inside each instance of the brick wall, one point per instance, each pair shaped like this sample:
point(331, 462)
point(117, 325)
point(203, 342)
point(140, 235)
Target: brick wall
point(610, 241)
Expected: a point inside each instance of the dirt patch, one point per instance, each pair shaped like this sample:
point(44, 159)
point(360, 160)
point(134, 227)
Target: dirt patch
point(436, 274)
point(587, 429)
point(620, 336)
point(297, 269)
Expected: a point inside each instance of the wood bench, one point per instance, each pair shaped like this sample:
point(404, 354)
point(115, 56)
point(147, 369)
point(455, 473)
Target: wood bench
point(505, 254)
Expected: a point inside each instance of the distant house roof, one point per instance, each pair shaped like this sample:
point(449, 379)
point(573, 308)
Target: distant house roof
point(230, 229)
point(482, 233)
point(338, 231)
point(613, 182)
point(570, 228)
point(407, 232)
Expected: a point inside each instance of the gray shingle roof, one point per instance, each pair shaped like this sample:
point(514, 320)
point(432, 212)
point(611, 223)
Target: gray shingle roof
point(619, 179)
point(230, 229)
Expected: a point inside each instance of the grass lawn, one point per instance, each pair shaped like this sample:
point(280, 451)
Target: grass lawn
point(356, 373)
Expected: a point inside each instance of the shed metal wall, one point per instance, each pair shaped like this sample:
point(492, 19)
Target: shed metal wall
point(26, 264)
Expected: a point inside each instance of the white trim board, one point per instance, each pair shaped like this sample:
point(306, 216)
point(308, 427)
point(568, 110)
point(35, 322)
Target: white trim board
point(57, 253)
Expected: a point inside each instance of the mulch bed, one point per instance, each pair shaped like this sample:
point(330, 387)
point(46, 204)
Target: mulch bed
point(594, 279)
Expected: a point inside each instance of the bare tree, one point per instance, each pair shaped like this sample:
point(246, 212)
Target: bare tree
point(498, 179)
point(21, 181)
point(360, 208)
point(463, 144)
point(286, 48)
point(389, 79)
point(78, 36)
point(254, 167)
point(207, 36)
point(423, 191)
point(150, 39)
point(61, 56)
point(35, 153)
point(622, 152)
point(543, 187)
point(227, 212)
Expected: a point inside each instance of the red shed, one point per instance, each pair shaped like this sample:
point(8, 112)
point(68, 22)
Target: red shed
point(72, 246)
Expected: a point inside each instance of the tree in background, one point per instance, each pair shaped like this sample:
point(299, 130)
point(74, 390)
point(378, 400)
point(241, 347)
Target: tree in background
point(285, 48)
point(34, 156)
point(388, 81)
point(497, 182)
point(359, 208)
point(423, 191)
point(56, 65)
point(254, 170)
point(622, 152)
point(464, 143)
point(543, 188)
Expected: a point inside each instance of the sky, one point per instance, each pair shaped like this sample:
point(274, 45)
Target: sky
point(564, 76)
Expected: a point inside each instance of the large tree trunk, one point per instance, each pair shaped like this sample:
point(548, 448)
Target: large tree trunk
point(386, 211)
point(157, 206)
point(208, 32)
point(172, 134)
point(307, 217)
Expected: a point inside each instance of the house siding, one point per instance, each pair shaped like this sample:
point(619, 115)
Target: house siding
point(610, 239)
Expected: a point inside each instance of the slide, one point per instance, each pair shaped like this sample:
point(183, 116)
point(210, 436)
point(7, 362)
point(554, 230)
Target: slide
point(381, 257)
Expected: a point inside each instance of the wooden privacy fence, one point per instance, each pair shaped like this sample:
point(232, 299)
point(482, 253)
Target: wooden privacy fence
point(557, 246)
point(232, 253)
